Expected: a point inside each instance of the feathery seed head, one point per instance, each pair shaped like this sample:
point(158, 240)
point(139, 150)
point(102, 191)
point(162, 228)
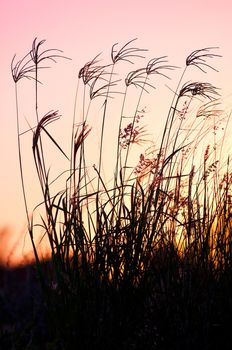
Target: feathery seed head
point(29, 64)
point(199, 58)
point(155, 65)
point(47, 119)
point(126, 52)
point(24, 68)
point(91, 71)
point(50, 54)
point(205, 90)
point(136, 77)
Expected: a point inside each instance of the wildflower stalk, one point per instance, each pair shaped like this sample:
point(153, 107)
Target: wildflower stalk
point(118, 153)
point(132, 128)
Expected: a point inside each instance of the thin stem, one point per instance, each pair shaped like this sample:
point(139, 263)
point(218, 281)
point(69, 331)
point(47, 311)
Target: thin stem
point(72, 169)
point(20, 158)
point(170, 117)
point(118, 154)
point(132, 128)
point(103, 126)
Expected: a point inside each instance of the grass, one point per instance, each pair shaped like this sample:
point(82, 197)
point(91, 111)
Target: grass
point(142, 260)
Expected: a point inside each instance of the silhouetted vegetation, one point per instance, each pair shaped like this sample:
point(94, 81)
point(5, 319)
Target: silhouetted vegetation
point(141, 261)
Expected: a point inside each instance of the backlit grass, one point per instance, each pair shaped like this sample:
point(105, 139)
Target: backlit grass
point(140, 258)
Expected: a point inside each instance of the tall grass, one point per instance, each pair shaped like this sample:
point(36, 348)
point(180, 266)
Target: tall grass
point(142, 257)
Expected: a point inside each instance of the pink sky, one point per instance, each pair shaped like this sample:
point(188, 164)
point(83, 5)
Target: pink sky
point(82, 29)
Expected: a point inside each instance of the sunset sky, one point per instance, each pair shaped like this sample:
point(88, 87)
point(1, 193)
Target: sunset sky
point(82, 29)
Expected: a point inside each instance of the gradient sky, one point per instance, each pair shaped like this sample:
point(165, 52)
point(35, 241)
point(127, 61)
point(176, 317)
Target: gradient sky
point(82, 29)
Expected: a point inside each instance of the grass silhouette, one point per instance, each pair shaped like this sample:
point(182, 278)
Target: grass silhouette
point(143, 260)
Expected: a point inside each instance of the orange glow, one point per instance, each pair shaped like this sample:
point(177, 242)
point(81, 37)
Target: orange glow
point(82, 29)
point(17, 250)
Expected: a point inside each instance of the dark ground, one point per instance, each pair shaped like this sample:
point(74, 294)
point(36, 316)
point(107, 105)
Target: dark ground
point(200, 318)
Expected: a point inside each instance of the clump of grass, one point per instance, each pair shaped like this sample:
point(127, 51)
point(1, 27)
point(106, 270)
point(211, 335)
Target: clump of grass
point(155, 240)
